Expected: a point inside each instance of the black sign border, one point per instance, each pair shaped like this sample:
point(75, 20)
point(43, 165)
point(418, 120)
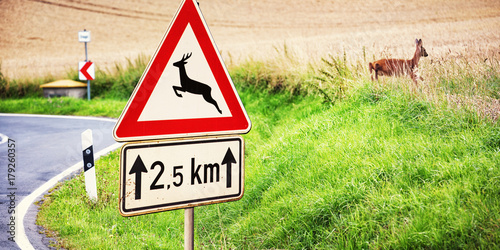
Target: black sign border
point(182, 204)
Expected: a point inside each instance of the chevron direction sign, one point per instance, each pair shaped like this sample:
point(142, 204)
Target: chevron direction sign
point(86, 71)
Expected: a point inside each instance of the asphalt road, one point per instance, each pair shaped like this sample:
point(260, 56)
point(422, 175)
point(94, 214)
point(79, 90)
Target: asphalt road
point(41, 147)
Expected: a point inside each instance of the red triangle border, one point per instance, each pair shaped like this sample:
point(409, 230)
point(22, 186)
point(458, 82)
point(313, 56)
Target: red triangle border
point(128, 128)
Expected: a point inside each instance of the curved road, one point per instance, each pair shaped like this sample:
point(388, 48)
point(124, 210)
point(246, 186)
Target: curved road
point(45, 149)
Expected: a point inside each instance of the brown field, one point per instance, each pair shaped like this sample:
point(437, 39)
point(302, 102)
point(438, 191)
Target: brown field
point(39, 37)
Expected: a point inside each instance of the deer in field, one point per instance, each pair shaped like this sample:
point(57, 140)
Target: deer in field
point(399, 67)
point(191, 86)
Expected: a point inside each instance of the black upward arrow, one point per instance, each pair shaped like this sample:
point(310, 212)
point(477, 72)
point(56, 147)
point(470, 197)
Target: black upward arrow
point(137, 169)
point(228, 159)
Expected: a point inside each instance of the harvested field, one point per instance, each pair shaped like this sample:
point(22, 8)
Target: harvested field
point(39, 37)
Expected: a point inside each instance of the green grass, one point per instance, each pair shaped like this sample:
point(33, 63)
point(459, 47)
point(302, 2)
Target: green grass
point(378, 170)
point(63, 106)
point(99, 226)
point(117, 82)
point(373, 175)
point(332, 161)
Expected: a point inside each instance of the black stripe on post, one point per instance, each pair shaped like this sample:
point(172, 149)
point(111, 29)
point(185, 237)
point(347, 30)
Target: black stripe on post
point(88, 158)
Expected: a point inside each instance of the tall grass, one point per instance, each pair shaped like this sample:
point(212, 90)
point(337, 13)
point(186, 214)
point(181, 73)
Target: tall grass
point(379, 169)
point(284, 71)
point(467, 80)
point(467, 73)
point(459, 79)
point(381, 165)
point(112, 83)
point(21, 87)
point(117, 82)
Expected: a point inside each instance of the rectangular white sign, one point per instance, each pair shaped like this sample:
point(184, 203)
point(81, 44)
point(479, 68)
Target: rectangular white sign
point(84, 36)
point(165, 175)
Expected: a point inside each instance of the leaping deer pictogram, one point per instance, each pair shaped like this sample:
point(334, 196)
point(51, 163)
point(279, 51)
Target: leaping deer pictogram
point(191, 86)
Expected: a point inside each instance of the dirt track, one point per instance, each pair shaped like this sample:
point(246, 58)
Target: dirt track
point(39, 37)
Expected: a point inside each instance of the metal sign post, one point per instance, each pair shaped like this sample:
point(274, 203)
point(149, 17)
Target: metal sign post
point(189, 228)
point(195, 169)
point(84, 37)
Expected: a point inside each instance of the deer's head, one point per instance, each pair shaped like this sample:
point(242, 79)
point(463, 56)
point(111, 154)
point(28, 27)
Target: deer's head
point(183, 60)
point(421, 48)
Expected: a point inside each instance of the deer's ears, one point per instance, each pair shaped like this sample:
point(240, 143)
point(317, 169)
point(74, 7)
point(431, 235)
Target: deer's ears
point(418, 41)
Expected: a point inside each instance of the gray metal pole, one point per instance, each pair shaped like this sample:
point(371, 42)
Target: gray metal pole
point(88, 90)
point(189, 228)
point(88, 81)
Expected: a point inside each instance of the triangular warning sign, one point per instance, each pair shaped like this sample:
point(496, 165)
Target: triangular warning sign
point(185, 90)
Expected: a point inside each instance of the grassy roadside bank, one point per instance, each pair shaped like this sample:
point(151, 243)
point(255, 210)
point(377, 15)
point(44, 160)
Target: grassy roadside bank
point(379, 165)
point(378, 170)
point(63, 106)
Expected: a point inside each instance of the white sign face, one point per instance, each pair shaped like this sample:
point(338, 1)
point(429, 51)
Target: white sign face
point(189, 106)
point(84, 36)
point(166, 175)
point(86, 70)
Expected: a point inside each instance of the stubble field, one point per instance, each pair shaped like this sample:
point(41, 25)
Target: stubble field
point(39, 37)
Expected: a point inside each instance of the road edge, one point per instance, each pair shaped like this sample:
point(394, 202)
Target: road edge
point(23, 242)
point(22, 239)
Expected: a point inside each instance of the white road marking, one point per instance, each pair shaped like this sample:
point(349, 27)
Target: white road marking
point(3, 138)
point(21, 237)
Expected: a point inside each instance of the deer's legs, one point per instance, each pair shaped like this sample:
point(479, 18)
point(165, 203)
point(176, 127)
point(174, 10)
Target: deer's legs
point(414, 77)
point(177, 88)
point(209, 99)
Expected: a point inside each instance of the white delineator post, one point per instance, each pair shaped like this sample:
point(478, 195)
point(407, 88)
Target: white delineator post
point(88, 165)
